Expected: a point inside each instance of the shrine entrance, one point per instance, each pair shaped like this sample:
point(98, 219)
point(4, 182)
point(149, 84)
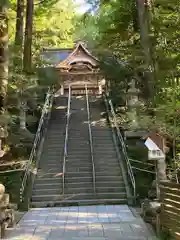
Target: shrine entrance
point(79, 69)
point(76, 91)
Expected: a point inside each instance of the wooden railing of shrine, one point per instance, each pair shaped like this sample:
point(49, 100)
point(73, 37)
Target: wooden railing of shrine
point(170, 208)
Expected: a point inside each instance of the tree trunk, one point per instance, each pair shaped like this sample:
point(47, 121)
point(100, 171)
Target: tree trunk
point(27, 58)
point(19, 33)
point(143, 19)
point(3, 67)
point(3, 57)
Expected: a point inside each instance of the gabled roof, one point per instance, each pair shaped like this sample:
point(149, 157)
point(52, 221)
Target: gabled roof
point(158, 139)
point(79, 54)
point(53, 56)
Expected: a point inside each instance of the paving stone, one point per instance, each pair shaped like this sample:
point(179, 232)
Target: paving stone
point(111, 222)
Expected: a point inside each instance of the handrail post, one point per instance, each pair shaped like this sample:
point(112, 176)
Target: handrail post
point(90, 139)
point(66, 140)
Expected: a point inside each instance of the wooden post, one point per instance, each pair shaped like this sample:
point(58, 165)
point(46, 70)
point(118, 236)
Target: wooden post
point(157, 180)
point(62, 90)
point(100, 89)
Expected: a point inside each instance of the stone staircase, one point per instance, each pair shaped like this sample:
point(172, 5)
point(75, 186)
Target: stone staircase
point(47, 188)
point(78, 177)
point(110, 185)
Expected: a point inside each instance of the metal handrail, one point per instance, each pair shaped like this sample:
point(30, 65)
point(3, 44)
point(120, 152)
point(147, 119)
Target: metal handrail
point(90, 140)
point(120, 138)
point(66, 139)
point(46, 110)
point(129, 167)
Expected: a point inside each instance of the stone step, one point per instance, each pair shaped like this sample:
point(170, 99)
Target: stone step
point(102, 135)
point(119, 190)
point(108, 173)
point(51, 165)
point(51, 177)
point(46, 180)
point(98, 174)
point(76, 190)
point(113, 195)
point(78, 196)
point(103, 147)
point(72, 140)
point(98, 184)
point(81, 202)
point(109, 178)
point(59, 197)
point(48, 175)
point(109, 189)
point(89, 178)
point(99, 160)
point(57, 142)
point(49, 185)
point(54, 151)
point(49, 159)
point(76, 164)
point(78, 179)
point(98, 153)
point(53, 145)
point(79, 146)
point(45, 170)
point(78, 169)
point(53, 154)
point(77, 174)
point(83, 151)
point(47, 191)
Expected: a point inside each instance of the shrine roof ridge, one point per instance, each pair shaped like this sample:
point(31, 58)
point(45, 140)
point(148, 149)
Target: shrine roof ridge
point(56, 49)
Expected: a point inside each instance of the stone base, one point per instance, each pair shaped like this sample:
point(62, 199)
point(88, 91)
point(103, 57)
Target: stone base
point(134, 134)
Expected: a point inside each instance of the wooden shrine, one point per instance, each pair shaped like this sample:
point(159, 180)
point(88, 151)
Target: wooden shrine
point(77, 67)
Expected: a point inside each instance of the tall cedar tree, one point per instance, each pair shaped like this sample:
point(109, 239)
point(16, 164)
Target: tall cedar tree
point(27, 56)
point(3, 56)
point(19, 32)
point(143, 7)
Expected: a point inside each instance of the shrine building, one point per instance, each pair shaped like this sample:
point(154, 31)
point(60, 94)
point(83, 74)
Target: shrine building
point(76, 68)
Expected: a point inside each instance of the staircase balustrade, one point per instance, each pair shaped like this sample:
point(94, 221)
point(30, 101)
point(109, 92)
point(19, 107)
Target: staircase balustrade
point(66, 140)
point(112, 115)
point(90, 140)
point(33, 159)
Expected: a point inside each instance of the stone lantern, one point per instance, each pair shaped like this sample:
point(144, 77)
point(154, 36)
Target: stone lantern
point(133, 103)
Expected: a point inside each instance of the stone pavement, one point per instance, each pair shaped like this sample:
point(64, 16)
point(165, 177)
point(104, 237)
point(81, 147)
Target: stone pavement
point(102, 222)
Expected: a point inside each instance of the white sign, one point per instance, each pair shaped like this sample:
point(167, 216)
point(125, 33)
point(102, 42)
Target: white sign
point(154, 152)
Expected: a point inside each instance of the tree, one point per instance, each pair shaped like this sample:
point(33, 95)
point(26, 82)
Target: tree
point(3, 55)
point(3, 72)
point(19, 33)
point(27, 56)
point(143, 7)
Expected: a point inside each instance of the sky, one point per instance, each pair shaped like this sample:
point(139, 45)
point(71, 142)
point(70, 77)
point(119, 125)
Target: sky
point(83, 6)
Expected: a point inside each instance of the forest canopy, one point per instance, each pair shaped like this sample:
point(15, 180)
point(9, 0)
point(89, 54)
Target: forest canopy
point(139, 38)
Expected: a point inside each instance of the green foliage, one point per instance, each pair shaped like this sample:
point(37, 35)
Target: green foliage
point(86, 29)
point(117, 76)
point(53, 25)
point(12, 182)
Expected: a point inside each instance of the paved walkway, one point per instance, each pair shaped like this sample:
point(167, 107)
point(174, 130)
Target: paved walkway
point(102, 222)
